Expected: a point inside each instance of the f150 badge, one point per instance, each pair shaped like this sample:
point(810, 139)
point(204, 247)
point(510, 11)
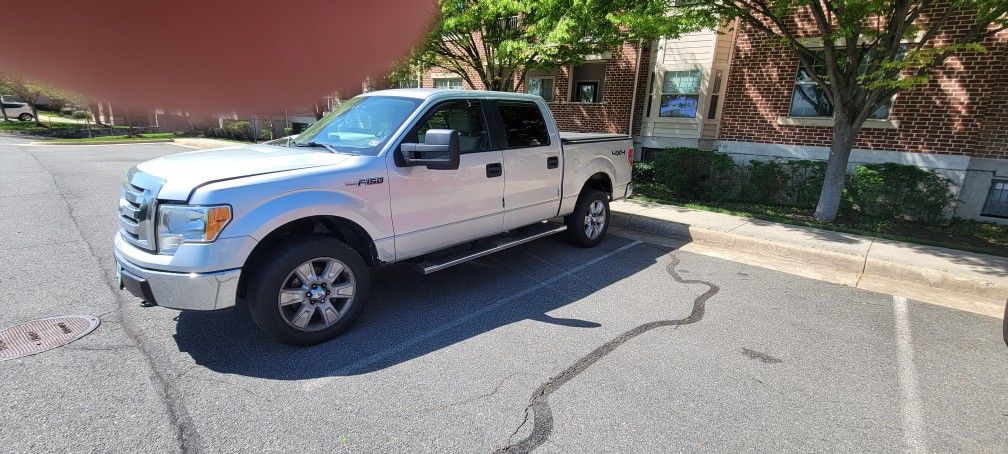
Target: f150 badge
point(365, 181)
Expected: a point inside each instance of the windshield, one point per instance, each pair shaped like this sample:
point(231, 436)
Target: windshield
point(360, 125)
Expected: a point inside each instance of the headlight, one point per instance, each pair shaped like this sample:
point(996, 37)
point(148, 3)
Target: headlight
point(179, 224)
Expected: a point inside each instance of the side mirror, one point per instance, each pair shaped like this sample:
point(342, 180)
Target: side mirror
point(440, 150)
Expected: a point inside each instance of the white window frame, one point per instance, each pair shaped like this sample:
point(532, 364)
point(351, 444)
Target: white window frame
point(701, 89)
point(552, 80)
point(460, 79)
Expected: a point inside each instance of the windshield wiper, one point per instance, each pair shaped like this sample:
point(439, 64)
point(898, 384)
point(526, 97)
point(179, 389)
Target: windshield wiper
point(316, 145)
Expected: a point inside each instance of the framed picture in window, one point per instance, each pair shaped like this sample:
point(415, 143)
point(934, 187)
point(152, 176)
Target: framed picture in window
point(587, 91)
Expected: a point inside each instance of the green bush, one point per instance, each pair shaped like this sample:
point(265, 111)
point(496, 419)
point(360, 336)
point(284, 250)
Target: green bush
point(67, 111)
point(80, 114)
point(764, 180)
point(643, 173)
point(898, 192)
point(688, 173)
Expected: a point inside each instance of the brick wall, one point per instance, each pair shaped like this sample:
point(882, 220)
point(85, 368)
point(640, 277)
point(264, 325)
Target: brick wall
point(612, 115)
point(963, 110)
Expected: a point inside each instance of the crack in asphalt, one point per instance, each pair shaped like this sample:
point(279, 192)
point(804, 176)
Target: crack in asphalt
point(538, 407)
point(188, 439)
point(468, 400)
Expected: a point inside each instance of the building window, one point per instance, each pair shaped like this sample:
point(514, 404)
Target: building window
point(586, 92)
point(997, 200)
point(587, 82)
point(680, 93)
point(810, 100)
point(412, 82)
point(542, 86)
point(448, 83)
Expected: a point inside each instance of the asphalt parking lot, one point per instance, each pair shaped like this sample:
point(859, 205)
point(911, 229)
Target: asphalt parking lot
point(631, 346)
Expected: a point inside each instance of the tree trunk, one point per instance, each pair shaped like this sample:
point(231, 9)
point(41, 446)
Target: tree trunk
point(95, 112)
point(836, 170)
point(35, 115)
point(4, 111)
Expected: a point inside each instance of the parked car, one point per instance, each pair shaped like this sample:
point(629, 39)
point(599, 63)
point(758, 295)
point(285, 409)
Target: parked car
point(291, 230)
point(19, 110)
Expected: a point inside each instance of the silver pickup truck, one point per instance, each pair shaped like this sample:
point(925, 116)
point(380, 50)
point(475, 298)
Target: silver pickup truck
point(291, 229)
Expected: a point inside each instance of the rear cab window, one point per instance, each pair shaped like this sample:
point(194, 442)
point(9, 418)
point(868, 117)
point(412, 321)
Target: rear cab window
point(524, 125)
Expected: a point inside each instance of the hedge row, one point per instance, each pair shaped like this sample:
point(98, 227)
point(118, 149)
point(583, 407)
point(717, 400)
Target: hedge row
point(882, 191)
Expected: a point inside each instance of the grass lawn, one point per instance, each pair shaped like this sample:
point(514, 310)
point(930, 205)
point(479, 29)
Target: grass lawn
point(962, 234)
point(122, 138)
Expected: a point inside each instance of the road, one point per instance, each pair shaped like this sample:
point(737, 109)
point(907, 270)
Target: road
point(631, 346)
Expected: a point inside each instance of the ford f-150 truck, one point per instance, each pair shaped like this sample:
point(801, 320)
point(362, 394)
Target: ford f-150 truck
point(290, 229)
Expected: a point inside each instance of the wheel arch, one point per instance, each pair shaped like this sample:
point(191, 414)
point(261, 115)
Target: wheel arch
point(600, 181)
point(343, 229)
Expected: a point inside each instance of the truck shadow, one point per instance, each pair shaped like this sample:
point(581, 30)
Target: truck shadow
point(409, 315)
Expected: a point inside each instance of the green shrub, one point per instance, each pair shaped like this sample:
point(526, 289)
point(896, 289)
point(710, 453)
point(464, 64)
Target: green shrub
point(643, 173)
point(805, 180)
point(67, 111)
point(691, 174)
point(898, 192)
point(723, 181)
point(80, 114)
point(764, 180)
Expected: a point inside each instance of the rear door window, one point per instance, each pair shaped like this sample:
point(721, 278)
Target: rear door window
point(524, 125)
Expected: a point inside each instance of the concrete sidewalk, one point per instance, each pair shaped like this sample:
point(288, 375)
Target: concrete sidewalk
point(973, 282)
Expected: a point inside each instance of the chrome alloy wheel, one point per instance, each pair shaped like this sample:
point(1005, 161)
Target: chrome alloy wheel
point(595, 219)
point(316, 294)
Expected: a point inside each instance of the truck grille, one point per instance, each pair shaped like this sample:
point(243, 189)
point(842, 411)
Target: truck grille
point(137, 209)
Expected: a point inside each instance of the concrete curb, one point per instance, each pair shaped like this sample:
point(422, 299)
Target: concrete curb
point(935, 275)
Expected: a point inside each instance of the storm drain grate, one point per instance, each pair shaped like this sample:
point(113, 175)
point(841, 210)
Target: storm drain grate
point(38, 336)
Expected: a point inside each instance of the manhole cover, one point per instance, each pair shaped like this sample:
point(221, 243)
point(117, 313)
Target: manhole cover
point(38, 336)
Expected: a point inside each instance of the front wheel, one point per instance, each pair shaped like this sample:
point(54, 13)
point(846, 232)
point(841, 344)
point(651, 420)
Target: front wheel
point(311, 290)
point(25, 117)
point(588, 224)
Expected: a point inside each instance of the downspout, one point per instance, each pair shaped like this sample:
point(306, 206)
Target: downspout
point(633, 96)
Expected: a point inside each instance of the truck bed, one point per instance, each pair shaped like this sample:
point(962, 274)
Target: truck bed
point(588, 137)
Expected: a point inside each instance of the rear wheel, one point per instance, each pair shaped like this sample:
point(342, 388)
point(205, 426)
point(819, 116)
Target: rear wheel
point(588, 224)
point(311, 290)
point(25, 117)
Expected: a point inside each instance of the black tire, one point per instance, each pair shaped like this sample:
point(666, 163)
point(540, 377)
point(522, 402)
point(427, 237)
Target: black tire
point(269, 278)
point(577, 222)
point(25, 117)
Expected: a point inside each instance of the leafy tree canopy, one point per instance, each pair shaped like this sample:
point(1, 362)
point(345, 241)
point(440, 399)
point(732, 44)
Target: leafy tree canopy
point(494, 43)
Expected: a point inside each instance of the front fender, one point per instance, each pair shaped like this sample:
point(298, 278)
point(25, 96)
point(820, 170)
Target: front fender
point(258, 221)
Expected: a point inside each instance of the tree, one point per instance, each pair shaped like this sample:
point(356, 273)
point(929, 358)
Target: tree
point(870, 51)
point(3, 89)
point(494, 43)
point(28, 92)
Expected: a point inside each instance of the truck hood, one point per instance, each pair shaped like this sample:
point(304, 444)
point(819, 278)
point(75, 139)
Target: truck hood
point(184, 172)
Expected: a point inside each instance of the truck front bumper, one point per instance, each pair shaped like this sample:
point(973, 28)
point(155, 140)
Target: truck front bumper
point(183, 291)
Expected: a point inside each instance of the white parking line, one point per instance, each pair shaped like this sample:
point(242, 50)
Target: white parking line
point(913, 420)
point(379, 356)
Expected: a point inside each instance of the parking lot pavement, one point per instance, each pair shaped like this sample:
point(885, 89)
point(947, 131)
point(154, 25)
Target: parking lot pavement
point(631, 346)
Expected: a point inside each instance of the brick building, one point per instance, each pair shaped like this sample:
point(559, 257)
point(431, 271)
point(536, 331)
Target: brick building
point(740, 93)
point(955, 125)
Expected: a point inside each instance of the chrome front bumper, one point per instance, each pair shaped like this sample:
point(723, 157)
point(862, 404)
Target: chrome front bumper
point(184, 291)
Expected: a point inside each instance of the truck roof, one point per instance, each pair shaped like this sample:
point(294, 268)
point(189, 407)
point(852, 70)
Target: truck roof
point(424, 93)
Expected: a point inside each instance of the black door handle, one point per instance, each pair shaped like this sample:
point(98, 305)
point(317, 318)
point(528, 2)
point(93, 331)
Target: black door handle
point(495, 170)
point(552, 162)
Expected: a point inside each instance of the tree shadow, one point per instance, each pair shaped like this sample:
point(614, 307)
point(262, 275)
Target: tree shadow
point(409, 315)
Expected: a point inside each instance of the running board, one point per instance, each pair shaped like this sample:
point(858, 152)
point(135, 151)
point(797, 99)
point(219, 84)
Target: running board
point(490, 245)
